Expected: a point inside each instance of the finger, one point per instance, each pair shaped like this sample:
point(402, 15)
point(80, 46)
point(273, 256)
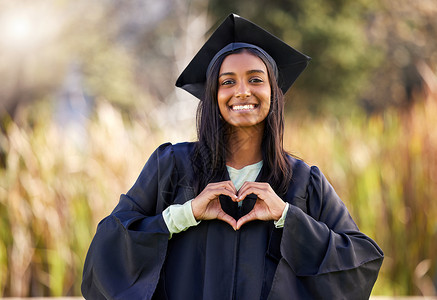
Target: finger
point(228, 185)
point(250, 189)
point(213, 192)
point(245, 219)
point(228, 219)
point(253, 184)
point(226, 192)
point(243, 189)
point(200, 203)
point(231, 187)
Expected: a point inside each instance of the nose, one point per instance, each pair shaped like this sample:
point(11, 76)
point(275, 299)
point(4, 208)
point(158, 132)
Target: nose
point(242, 90)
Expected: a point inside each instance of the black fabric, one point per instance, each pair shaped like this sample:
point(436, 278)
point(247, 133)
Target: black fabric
point(319, 254)
point(235, 46)
point(234, 29)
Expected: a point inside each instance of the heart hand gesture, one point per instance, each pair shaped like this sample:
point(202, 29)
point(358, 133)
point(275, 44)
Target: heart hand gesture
point(268, 205)
point(206, 206)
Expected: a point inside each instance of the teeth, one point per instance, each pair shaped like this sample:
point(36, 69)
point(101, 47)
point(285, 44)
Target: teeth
point(243, 107)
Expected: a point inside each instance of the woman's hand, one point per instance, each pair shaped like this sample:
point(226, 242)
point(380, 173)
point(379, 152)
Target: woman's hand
point(206, 206)
point(268, 205)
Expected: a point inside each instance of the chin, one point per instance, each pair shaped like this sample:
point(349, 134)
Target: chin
point(247, 123)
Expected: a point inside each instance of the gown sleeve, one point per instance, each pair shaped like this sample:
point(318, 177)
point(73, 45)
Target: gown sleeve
point(129, 248)
point(324, 255)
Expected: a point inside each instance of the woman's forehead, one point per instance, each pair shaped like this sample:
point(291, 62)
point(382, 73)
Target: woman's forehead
point(245, 61)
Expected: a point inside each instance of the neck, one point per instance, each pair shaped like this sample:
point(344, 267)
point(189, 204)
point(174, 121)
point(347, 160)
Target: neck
point(244, 146)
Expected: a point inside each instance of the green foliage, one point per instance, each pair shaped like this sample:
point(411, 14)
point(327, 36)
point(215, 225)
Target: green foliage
point(54, 191)
point(332, 32)
point(383, 167)
point(55, 186)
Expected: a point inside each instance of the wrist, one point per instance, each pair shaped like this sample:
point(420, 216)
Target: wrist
point(280, 211)
point(194, 210)
point(280, 223)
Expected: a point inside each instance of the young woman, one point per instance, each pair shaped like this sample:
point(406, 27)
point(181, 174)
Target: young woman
point(232, 216)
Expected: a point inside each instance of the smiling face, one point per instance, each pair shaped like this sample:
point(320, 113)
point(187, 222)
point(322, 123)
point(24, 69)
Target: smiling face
point(243, 90)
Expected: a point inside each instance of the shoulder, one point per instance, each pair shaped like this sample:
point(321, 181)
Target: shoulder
point(184, 149)
point(306, 181)
point(298, 166)
point(313, 193)
point(297, 188)
point(176, 156)
point(302, 172)
point(171, 150)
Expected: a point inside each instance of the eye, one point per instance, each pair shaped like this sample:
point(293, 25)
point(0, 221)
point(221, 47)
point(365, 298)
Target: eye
point(227, 82)
point(256, 80)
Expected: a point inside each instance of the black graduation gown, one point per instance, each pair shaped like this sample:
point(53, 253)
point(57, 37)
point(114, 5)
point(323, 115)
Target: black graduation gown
point(319, 254)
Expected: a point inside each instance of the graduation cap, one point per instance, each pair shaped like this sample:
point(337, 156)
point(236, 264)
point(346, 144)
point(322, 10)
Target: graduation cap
point(235, 33)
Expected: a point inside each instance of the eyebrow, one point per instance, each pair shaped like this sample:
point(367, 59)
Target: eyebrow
point(248, 72)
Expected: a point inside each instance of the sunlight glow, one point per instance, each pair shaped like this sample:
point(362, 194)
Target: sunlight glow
point(24, 28)
point(18, 29)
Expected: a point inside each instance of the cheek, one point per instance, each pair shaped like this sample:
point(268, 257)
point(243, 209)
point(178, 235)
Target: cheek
point(267, 104)
point(267, 96)
point(222, 100)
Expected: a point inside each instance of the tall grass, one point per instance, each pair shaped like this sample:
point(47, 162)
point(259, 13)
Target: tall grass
point(55, 186)
point(53, 191)
point(384, 167)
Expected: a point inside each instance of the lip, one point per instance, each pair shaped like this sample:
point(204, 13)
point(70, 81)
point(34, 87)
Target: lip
point(243, 107)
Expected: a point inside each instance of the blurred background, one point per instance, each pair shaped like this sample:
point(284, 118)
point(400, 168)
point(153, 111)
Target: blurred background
point(87, 93)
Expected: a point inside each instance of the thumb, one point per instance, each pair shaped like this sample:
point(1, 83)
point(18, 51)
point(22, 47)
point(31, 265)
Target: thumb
point(228, 219)
point(245, 219)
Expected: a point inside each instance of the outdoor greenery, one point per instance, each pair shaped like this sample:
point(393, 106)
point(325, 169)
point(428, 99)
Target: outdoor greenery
point(334, 33)
point(384, 168)
point(87, 93)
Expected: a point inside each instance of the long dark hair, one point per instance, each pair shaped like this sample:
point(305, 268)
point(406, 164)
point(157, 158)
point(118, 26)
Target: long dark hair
point(209, 158)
